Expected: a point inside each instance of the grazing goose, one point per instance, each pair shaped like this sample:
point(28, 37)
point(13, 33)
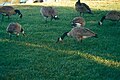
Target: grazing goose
point(82, 8)
point(15, 28)
point(48, 12)
point(9, 10)
point(78, 21)
point(78, 33)
point(112, 15)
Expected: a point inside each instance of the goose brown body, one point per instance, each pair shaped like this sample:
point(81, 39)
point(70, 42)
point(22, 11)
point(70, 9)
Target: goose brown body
point(9, 10)
point(15, 28)
point(78, 33)
point(112, 15)
point(48, 12)
point(82, 7)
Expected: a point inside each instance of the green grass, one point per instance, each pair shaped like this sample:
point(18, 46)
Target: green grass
point(37, 57)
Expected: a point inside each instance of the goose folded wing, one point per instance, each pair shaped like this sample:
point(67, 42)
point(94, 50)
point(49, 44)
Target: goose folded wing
point(85, 32)
point(86, 6)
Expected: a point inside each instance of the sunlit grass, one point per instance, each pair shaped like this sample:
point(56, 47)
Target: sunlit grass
point(109, 63)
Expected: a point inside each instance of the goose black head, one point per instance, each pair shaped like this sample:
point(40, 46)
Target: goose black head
point(75, 24)
point(96, 36)
point(55, 17)
point(19, 13)
point(22, 31)
point(99, 23)
point(60, 39)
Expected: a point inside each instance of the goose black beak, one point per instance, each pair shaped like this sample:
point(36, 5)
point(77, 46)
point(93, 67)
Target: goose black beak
point(73, 24)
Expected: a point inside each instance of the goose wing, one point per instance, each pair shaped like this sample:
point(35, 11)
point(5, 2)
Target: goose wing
point(7, 8)
point(113, 15)
point(87, 7)
point(84, 32)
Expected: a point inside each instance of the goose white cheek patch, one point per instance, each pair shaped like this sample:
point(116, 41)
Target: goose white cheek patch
point(60, 39)
point(17, 34)
point(23, 32)
point(68, 34)
point(55, 16)
point(100, 23)
point(78, 25)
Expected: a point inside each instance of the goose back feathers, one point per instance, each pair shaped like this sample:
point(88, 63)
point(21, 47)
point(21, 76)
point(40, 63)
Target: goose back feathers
point(49, 12)
point(112, 15)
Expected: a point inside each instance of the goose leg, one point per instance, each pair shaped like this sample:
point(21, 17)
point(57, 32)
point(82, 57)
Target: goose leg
point(2, 17)
point(81, 40)
point(10, 35)
point(45, 19)
point(80, 13)
point(8, 17)
point(51, 18)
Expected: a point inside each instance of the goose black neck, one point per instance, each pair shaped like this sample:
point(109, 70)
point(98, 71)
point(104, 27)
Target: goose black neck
point(21, 30)
point(102, 18)
point(63, 36)
point(89, 11)
point(96, 36)
point(78, 2)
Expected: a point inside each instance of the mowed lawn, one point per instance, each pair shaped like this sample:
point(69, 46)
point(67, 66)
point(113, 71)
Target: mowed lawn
point(37, 56)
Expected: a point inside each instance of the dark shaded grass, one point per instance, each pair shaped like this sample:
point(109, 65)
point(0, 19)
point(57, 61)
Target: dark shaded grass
point(37, 57)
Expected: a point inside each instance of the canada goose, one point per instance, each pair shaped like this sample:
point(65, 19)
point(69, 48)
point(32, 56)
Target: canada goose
point(112, 15)
point(82, 7)
point(9, 10)
point(48, 12)
point(79, 20)
point(78, 33)
point(15, 28)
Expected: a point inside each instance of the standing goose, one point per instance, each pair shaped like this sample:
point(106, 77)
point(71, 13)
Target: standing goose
point(78, 33)
point(112, 15)
point(9, 10)
point(48, 12)
point(15, 28)
point(82, 8)
point(78, 21)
